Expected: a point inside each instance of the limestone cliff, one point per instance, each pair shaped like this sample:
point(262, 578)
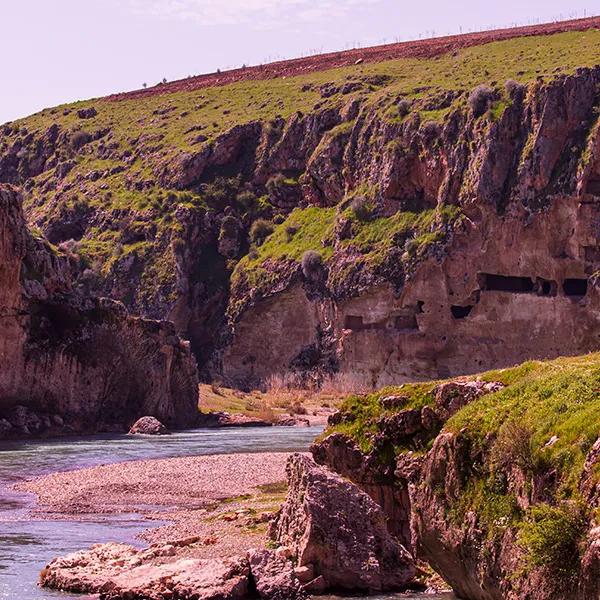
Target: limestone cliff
point(450, 206)
point(70, 362)
point(501, 274)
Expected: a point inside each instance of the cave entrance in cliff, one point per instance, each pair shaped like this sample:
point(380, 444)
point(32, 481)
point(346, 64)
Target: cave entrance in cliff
point(575, 288)
point(461, 312)
point(506, 283)
point(545, 287)
point(405, 322)
point(593, 186)
point(353, 322)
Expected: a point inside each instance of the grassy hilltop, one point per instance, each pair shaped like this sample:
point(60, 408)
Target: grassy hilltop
point(153, 130)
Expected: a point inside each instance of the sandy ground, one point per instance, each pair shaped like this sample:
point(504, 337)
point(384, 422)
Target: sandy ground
point(225, 501)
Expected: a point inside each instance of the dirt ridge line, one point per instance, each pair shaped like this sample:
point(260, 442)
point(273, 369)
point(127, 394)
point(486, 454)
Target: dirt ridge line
point(427, 48)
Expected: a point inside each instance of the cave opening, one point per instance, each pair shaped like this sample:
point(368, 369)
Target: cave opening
point(506, 283)
point(402, 322)
point(593, 186)
point(461, 312)
point(354, 322)
point(575, 288)
point(545, 287)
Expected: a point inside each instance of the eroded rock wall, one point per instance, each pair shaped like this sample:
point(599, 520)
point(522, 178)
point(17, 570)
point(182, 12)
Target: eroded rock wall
point(510, 278)
point(70, 362)
point(502, 271)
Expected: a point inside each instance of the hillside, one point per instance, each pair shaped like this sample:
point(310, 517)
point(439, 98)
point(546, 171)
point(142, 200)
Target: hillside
point(493, 480)
point(430, 211)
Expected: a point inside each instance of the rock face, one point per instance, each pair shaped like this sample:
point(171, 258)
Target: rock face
point(338, 532)
point(502, 272)
point(508, 280)
point(74, 362)
point(148, 426)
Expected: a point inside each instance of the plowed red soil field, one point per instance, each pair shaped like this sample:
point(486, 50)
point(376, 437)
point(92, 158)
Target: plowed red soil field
point(416, 49)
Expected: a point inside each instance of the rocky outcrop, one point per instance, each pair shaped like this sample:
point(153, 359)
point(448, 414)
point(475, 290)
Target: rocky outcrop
point(484, 509)
point(338, 532)
point(73, 361)
point(116, 571)
point(378, 473)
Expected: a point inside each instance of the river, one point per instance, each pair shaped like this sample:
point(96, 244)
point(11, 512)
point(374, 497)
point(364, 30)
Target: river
point(26, 544)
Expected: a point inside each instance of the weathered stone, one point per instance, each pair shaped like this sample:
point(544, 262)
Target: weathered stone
point(148, 426)
point(274, 576)
point(393, 402)
point(225, 419)
point(401, 425)
point(120, 572)
point(87, 113)
point(293, 421)
point(450, 397)
point(80, 357)
point(332, 525)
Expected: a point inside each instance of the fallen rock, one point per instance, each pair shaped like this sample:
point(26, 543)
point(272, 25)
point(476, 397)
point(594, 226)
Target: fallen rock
point(293, 421)
point(148, 426)
point(87, 113)
point(225, 419)
point(117, 571)
point(335, 528)
point(401, 425)
point(274, 576)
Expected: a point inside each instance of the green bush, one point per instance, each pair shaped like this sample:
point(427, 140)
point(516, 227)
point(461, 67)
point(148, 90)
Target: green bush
point(311, 263)
point(552, 536)
point(362, 208)
point(260, 231)
point(480, 99)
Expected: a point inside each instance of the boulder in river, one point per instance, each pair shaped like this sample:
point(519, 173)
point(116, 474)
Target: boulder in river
point(148, 426)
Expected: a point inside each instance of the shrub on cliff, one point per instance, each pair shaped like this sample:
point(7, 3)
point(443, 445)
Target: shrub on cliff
point(362, 207)
point(404, 107)
point(480, 99)
point(79, 139)
point(261, 229)
point(229, 228)
point(512, 87)
point(291, 231)
point(552, 536)
point(311, 263)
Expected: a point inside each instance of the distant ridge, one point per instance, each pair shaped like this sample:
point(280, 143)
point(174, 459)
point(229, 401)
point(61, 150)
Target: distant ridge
point(426, 48)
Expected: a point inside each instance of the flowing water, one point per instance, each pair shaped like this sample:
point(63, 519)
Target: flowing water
point(26, 544)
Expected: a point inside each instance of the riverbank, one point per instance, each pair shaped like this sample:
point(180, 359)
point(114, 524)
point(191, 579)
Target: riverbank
point(223, 502)
point(31, 540)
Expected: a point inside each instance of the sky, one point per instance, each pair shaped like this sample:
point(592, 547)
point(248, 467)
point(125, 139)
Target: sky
point(58, 51)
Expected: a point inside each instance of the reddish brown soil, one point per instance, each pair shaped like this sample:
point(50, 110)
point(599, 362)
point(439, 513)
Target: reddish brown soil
point(415, 49)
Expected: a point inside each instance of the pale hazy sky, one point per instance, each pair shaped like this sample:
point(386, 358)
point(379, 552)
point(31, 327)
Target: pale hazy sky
point(56, 51)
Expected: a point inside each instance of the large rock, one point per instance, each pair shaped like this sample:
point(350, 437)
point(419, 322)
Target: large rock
point(274, 576)
point(117, 571)
point(148, 426)
point(66, 354)
point(333, 527)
